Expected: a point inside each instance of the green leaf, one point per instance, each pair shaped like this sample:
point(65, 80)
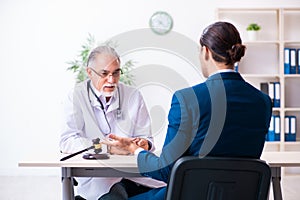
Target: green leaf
point(253, 27)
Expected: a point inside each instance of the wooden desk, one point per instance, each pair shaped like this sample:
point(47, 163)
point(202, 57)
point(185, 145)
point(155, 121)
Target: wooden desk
point(115, 166)
point(126, 166)
point(276, 160)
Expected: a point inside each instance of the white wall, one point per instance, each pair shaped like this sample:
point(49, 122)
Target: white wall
point(38, 37)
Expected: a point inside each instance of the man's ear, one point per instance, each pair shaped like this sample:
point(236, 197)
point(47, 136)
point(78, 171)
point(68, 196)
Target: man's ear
point(88, 72)
point(206, 53)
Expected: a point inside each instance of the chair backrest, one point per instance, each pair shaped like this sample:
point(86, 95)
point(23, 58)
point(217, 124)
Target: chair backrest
point(219, 178)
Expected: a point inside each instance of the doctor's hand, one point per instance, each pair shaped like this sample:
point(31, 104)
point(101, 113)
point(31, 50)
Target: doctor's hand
point(126, 144)
point(117, 151)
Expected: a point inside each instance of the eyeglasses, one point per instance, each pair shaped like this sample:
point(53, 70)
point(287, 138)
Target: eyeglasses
point(105, 73)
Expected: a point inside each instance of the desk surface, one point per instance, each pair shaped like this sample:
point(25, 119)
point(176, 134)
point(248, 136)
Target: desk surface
point(274, 159)
point(77, 161)
point(282, 159)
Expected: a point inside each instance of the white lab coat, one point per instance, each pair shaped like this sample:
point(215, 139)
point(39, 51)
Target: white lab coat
point(84, 120)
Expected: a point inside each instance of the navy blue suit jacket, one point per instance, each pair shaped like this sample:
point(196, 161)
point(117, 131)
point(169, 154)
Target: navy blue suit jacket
point(224, 116)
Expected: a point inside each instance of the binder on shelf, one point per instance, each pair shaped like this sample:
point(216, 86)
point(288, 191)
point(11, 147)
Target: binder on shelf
point(298, 61)
point(236, 66)
point(293, 67)
point(287, 128)
point(277, 127)
point(276, 94)
point(290, 128)
point(287, 60)
point(271, 92)
point(293, 124)
point(271, 134)
point(264, 87)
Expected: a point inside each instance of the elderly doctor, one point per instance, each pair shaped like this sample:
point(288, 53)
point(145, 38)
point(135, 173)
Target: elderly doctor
point(100, 106)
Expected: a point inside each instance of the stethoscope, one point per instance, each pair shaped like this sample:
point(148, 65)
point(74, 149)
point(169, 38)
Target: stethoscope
point(119, 112)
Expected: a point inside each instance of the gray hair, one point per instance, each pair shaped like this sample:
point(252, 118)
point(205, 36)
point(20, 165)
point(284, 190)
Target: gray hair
point(101, 50)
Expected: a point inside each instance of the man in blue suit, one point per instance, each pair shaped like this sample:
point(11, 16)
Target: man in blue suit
point(224, 116)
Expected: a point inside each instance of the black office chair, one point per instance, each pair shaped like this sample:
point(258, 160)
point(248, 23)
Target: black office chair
point(218, 178)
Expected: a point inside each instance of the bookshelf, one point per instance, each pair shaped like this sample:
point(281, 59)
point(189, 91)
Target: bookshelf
point(264, 59)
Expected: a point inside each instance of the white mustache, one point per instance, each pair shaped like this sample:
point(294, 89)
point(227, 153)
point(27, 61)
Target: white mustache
point(109, 85)
point(108, 94)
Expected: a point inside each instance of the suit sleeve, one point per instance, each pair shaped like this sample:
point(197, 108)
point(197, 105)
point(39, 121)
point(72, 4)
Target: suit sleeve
point(176, 142)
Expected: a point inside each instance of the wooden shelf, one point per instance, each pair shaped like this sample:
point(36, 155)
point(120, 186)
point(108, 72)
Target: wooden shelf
point(291, 109)
point(292, 75)
point(260, 42)
point(261, 75)
point(264, 58)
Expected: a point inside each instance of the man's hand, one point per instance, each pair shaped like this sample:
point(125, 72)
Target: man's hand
point(126, 144)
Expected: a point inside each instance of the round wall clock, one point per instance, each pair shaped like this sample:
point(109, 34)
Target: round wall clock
point(161, 23)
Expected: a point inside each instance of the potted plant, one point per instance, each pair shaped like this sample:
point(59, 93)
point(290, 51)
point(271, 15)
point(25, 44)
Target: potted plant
point(252, 30)
point(78, 65)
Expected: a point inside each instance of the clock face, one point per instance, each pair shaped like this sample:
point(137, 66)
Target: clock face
point(161, 23)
